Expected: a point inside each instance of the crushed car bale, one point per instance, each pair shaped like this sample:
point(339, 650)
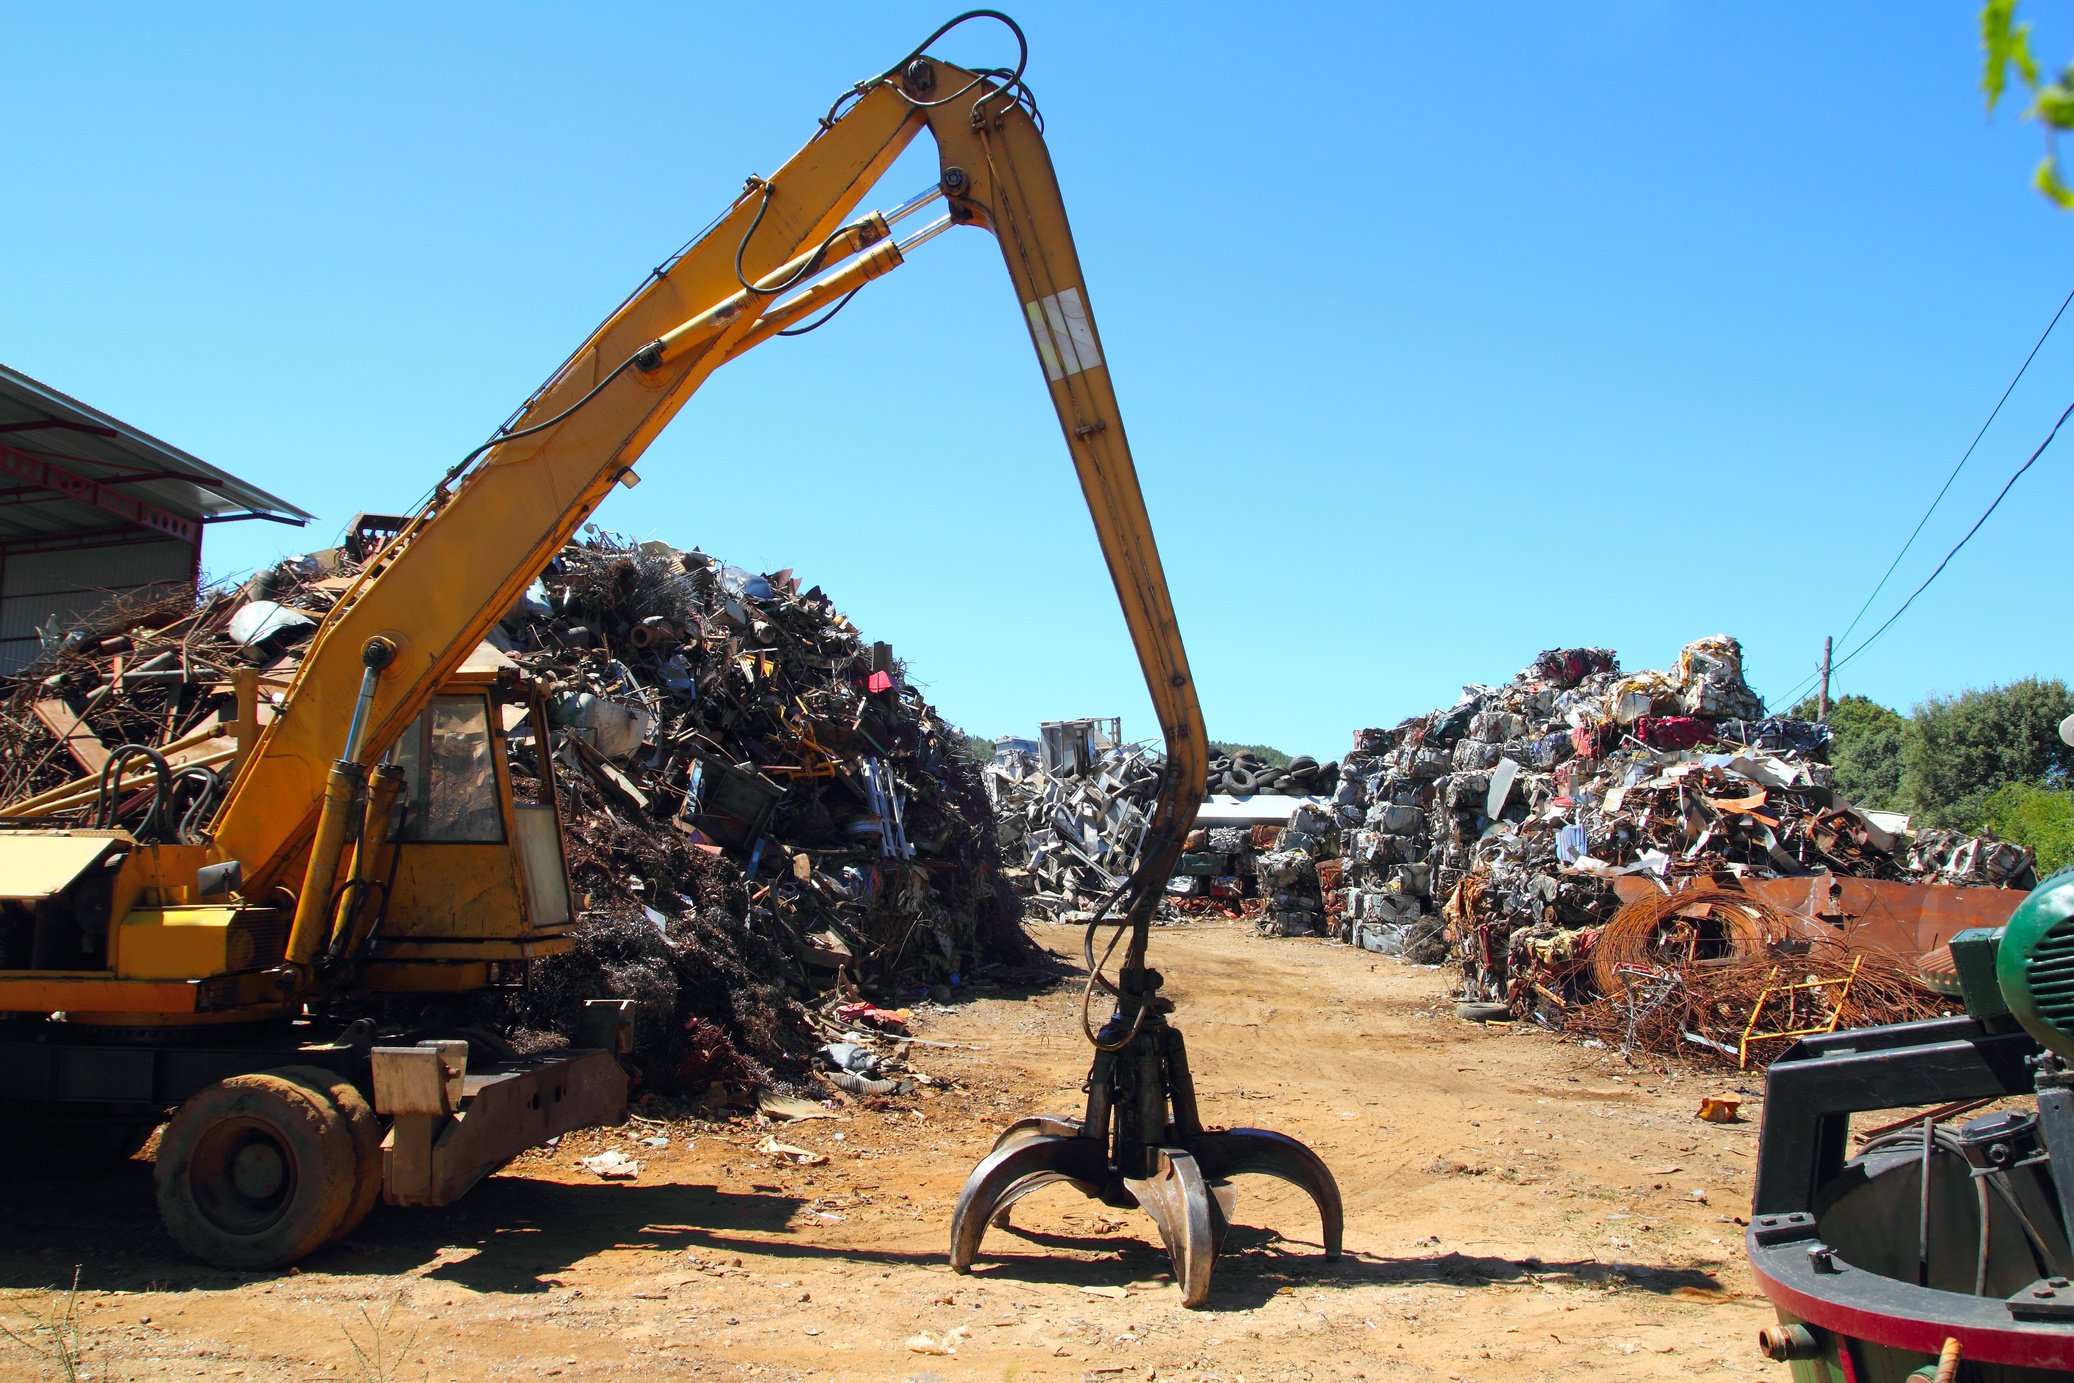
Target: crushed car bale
point(1495, 831)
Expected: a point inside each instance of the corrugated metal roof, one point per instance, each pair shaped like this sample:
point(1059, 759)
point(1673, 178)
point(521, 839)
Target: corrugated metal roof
point(40, 422)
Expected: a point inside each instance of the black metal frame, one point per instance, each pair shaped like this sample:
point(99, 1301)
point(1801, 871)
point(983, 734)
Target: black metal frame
point(1813, 1088)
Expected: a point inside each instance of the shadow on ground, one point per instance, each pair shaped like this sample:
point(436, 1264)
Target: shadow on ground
point(518, 1236)
point(509, 1234)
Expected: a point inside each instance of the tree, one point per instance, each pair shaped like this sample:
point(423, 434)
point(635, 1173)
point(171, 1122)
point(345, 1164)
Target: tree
point(2042, 818)
point(1959, 750)
point(978, 748)
point(1266, 753)
point(1865, 750)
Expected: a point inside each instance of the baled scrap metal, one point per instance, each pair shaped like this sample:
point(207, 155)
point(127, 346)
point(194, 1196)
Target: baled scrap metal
point(1494, 811)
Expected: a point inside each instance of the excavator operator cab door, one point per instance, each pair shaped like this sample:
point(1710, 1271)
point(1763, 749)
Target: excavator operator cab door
point(480, 879)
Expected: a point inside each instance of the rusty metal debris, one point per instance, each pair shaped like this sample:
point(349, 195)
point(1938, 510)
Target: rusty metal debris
point(1506, 830)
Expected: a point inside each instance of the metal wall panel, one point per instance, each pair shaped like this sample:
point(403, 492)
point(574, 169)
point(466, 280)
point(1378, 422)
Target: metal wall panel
point(36, 585)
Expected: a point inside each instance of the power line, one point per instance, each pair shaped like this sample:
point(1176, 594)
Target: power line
point(1918, 529)
point(2029, 461)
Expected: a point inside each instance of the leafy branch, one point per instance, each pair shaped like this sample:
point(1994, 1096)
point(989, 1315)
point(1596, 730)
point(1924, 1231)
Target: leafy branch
point(2006, 45)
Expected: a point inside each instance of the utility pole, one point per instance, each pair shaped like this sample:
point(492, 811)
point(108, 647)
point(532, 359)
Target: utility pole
point(1822, 700)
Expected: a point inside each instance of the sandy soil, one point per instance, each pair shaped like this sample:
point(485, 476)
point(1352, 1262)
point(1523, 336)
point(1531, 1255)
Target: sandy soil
point(1517, 1208)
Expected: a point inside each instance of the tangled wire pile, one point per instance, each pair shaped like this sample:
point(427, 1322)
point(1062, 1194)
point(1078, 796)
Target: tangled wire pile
point(1744, 1007)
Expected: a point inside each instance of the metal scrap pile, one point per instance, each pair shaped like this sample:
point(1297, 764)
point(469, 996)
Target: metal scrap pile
point(1074, 830)
point(761, 812)
point(1712, 972)
point(1513, 810)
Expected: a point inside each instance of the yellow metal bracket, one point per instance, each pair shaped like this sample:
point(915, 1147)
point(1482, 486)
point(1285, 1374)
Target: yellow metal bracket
point(1789, 992)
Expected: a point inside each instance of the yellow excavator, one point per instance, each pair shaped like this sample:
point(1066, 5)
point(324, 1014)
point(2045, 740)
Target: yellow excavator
point(369, 851)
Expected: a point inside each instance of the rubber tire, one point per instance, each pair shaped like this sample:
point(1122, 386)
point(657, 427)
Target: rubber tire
point(1302, 763)
point(365, 1126)
point(1240, 783)
point(1484, 1013)
point(197, 1196)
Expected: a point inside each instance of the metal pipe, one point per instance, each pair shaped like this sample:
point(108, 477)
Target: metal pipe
point(926, 233)
point(356, 729)
point(914, 204)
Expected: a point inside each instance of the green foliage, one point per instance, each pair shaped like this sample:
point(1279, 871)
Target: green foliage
point(1266, 753)
point(2005, 44)
point(2040, 817)
point(977, 748)
point(1866, 750)
point(1959, 750)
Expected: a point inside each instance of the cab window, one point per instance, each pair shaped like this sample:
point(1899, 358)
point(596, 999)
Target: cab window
point(450, 774)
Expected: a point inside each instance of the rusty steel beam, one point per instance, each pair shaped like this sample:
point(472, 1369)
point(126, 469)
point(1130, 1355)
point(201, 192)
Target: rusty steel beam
point(102, 495)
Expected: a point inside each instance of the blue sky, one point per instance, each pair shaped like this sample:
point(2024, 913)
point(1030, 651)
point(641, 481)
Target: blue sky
point(1442, 337)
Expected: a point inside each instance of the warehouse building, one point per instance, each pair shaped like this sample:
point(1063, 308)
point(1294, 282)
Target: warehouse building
point(91, 508)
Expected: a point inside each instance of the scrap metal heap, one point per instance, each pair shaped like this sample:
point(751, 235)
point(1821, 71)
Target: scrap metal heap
point(761, 814)
point(1495, 831)
point(1076, 828)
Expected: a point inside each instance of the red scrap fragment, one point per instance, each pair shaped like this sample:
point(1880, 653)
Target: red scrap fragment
point(894, 1018)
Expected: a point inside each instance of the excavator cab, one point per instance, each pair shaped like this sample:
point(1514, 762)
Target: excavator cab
point(479, 883)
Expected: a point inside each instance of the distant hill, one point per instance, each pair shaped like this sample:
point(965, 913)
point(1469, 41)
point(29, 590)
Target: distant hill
point(1266, 753)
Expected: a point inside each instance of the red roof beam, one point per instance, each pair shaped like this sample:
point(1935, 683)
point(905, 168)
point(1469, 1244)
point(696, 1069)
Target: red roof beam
point(48, 475)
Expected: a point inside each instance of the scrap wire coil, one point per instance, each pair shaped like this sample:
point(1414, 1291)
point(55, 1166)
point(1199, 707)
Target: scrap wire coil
point(1678, 930)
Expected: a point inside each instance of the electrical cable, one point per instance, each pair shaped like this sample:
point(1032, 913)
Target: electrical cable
point(825, 318)
point(501, 437)
point(1992, 415)
point(810, 267)
point(2029, 461)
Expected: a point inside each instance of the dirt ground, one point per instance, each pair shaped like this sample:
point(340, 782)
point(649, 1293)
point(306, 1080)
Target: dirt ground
point(1517, 1207)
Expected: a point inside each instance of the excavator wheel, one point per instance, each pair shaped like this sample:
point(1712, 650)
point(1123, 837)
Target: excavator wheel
point(256, 1171)
point(365, 1126)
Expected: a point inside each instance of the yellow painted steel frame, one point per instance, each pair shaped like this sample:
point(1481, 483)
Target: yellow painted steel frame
point(171, 955)
point(1841, 985)
point(462, 561)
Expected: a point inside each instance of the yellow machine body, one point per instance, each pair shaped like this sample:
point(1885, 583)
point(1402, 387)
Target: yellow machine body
point(475, 880)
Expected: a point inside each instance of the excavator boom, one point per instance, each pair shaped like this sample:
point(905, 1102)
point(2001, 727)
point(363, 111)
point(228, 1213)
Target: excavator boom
point(465, 558)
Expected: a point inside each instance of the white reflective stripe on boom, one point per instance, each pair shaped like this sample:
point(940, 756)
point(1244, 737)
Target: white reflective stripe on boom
point(1065, 340)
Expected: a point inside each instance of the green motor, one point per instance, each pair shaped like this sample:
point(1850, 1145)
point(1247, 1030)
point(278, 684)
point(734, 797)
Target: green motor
point(2035, 964)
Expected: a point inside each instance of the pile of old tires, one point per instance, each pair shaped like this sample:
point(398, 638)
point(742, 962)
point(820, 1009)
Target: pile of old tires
point(1245, 773)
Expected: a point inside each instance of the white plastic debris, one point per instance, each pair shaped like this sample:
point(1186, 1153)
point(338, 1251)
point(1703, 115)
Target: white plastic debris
point(611, 1165)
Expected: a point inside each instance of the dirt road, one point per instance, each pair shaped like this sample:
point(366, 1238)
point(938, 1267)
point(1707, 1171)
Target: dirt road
point(1517, 1208)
